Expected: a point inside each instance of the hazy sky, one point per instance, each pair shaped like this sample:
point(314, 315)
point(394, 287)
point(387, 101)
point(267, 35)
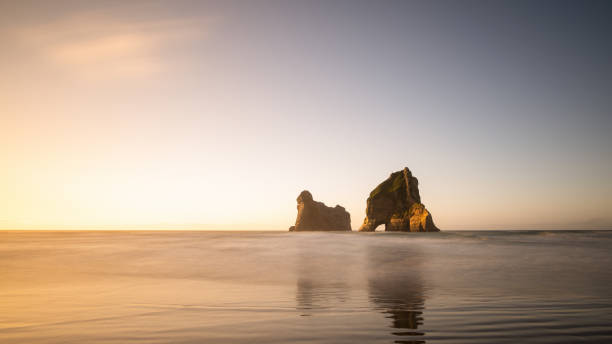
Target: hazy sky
point(215, 115)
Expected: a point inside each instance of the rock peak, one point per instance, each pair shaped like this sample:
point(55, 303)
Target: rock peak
point(304, 196)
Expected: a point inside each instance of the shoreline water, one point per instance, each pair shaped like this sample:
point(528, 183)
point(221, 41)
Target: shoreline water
point(314, 287)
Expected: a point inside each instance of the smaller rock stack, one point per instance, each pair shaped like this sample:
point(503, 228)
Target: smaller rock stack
point(316, 216)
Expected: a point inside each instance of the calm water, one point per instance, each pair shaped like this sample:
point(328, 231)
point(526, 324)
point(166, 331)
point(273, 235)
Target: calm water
point(246, 287)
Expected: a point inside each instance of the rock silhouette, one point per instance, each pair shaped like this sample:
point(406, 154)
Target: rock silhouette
point(396, 203)
point(316, 216)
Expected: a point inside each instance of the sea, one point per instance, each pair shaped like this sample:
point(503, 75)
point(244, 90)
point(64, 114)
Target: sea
point(307, 287)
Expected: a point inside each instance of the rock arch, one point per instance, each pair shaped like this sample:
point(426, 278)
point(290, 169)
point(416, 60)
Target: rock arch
point(396, 203)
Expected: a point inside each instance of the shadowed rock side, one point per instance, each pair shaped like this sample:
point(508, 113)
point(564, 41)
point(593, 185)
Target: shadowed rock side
point(396, 203)
point(316, 216)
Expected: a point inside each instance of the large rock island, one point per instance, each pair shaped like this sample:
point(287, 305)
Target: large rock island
point(396, 203)
point(316, 216)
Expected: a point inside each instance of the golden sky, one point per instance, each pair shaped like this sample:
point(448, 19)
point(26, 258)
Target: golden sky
point(216, 115)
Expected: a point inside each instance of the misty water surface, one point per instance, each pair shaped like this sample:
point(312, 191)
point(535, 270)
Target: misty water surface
point(271, 287)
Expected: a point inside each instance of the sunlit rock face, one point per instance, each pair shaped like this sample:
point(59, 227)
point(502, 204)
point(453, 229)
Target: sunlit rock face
point(396, 203)
point(316, 216)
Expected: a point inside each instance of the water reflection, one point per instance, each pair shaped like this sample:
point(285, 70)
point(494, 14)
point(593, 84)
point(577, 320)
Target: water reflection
point(396, 288)
point(393, 284)
point(321, 280)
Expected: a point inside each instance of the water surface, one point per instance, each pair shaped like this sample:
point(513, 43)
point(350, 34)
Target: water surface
point(273, 287)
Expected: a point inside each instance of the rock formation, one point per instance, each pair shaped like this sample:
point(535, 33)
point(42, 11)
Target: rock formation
point(316, 216)
point(396, 203)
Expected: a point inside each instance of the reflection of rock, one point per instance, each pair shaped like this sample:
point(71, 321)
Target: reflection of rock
point(396, 203)
point(313, 293)
point(321, 278)
point(316, 216)
point(397, 289)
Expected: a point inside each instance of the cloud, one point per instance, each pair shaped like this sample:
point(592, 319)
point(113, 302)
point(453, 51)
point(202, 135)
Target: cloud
point(100, 46)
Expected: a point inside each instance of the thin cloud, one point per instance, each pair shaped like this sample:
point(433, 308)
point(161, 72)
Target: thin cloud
point(100, 46)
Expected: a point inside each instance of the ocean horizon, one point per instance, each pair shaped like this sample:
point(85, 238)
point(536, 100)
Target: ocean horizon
point(305, 172)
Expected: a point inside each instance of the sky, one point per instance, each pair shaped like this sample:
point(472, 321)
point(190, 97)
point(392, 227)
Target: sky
point(216, 115)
